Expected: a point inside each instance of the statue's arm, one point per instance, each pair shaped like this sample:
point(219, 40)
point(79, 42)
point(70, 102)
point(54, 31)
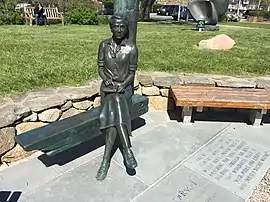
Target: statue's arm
point(133, 60)
point(100, 61)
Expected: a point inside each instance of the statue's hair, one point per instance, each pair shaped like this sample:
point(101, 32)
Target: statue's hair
point(118, 16)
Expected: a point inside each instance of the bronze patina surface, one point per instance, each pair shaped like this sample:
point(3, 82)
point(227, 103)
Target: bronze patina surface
point(211, 11)
point(117, 64)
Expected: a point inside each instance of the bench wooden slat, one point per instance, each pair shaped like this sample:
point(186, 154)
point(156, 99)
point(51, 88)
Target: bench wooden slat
point(217, 89)
point(220, 92)
point(205, 99)
point(231, 98)
point(67, 133)
point(234, 97)
point(224, 104)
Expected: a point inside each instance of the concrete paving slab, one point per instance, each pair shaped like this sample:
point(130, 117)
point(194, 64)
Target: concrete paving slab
point(79, 161)
point(184, 185)
point(80, 185)
point(26, 176)
point(203, 131)
point(167, 145)
point(145, 129)
point(156, 116)
point(257, 135)
point(233, 163)
point(152, 120)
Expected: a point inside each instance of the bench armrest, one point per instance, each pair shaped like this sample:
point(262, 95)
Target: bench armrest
point(61, 14)
point(28, 15)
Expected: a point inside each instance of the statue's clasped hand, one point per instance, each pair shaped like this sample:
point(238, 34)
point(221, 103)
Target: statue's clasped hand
point(121, 89)
point(108, 82)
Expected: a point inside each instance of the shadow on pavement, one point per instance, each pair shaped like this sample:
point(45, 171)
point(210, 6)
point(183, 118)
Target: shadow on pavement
point(8, 196)
point(84, 148)
point(218, 115)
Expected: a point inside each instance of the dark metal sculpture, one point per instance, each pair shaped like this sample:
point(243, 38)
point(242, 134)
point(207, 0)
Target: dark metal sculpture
point(117, 63)
point(210, 11)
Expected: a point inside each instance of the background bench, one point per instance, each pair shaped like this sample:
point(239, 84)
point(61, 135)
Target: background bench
point(62, 135)
point(51, 13)
point(189, 97)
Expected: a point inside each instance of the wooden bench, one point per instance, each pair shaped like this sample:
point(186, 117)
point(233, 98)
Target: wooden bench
point(189, 97)
point(51, 13)
point(59, 136)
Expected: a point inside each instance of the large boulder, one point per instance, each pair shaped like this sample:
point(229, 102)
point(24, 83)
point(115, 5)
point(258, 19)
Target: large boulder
point(219, 42)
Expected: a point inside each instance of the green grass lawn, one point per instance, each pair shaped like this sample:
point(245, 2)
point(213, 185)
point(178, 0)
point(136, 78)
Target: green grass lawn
point(40, 57)
point(248, 24)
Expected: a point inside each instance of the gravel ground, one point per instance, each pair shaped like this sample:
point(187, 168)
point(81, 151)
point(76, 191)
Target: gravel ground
point(262, 191)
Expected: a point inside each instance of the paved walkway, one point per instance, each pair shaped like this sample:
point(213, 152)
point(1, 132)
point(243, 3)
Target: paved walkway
point(206, 161)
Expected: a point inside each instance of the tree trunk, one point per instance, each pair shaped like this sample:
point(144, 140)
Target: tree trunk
point(130, 9)
point(145, 9)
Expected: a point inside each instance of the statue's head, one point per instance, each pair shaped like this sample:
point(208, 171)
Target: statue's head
point(119, 26)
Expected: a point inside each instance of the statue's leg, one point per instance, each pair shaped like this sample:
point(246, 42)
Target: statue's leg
point(128, 155)
point(105, 164)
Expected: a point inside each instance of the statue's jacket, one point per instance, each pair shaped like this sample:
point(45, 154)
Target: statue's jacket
point(115, 62)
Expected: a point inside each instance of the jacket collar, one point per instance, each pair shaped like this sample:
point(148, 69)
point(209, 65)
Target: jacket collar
point(123, 43)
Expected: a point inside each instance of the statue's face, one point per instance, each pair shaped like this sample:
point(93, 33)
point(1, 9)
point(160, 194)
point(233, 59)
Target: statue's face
point(119, 29)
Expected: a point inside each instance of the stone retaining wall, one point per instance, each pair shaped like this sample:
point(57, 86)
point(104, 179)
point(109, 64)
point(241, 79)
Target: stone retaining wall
point(20, 113)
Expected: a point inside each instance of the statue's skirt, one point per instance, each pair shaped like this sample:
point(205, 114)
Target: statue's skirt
point(115, 109)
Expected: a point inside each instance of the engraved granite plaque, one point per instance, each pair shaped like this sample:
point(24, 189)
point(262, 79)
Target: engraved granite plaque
point(234, 164)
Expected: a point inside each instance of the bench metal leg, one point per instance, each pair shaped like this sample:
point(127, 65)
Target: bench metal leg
point(255, 116)
point(187, 114)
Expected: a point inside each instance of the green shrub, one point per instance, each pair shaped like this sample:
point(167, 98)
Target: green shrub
point(267, 15)
point(15, 18)
point(83, 16)
point(2, 18)
point(103, 19)
point(259, 13)
point(223, 18)
point(11, 17)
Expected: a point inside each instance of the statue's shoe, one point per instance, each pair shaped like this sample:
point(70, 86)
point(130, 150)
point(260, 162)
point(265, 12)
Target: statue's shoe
point(129, 160)
point(102, 171)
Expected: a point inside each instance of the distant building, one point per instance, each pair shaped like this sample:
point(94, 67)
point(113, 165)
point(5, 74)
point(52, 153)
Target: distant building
point(243, 6)
point(233, 5)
